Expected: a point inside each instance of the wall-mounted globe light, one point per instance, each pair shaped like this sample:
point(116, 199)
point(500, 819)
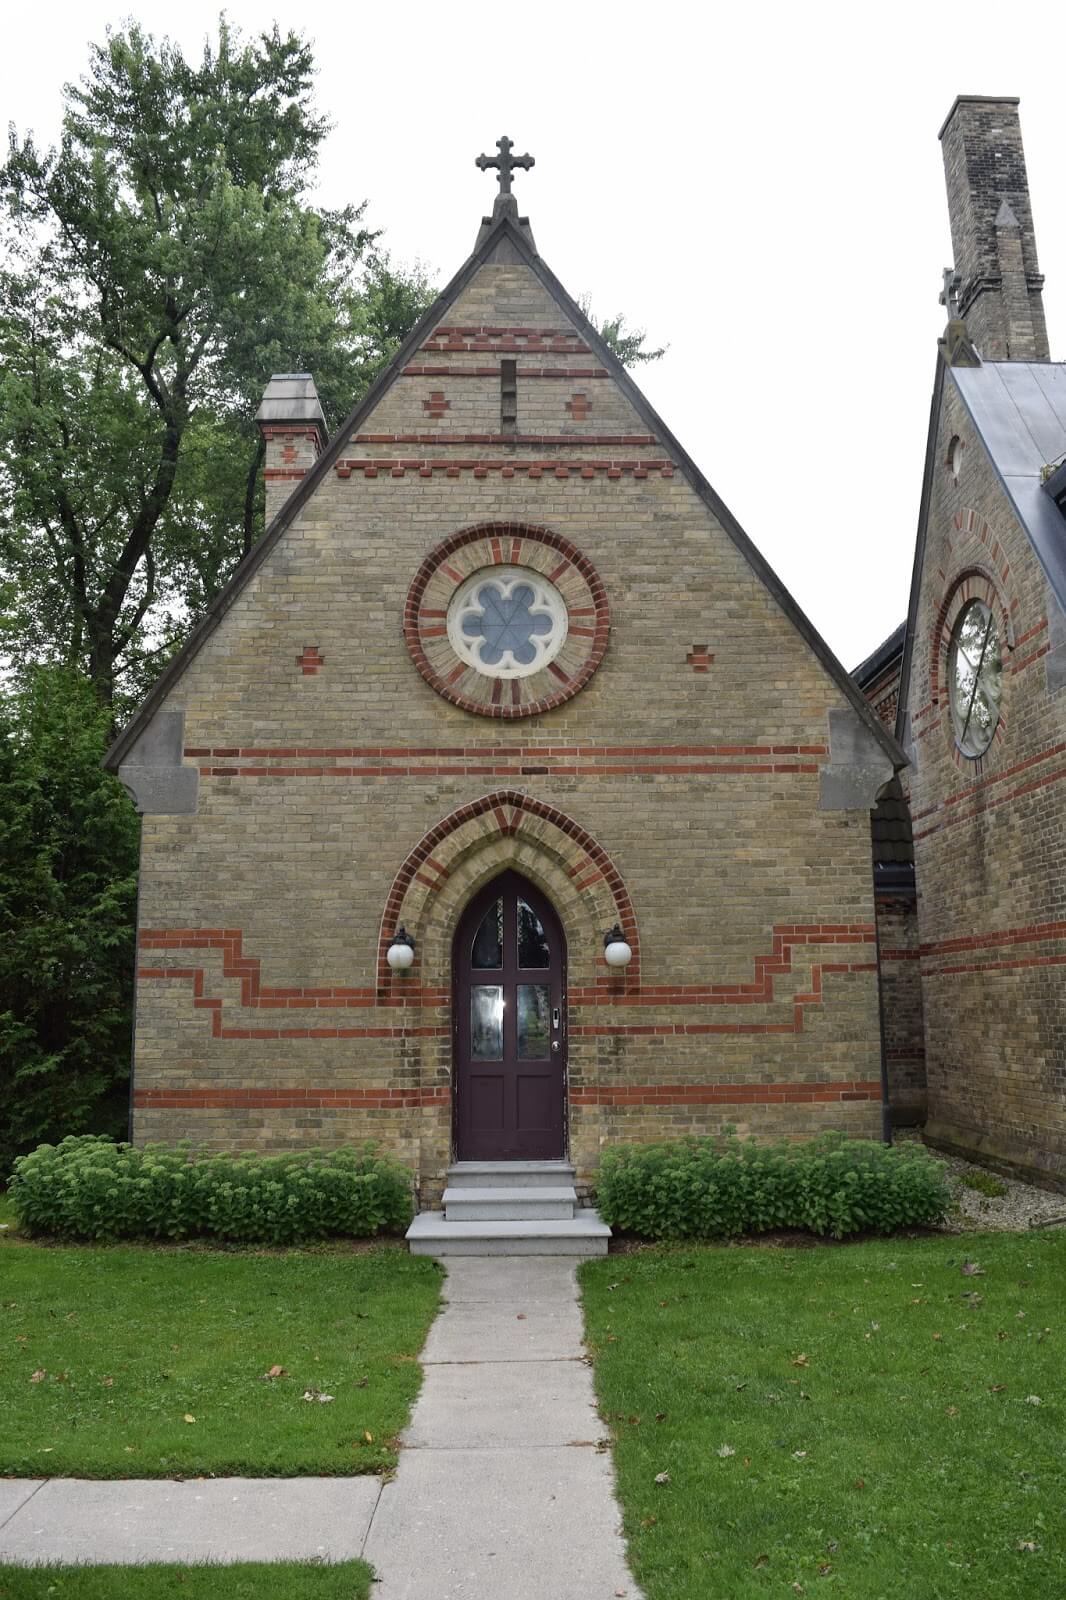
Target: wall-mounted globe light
point(616, 952)
point(401, 952)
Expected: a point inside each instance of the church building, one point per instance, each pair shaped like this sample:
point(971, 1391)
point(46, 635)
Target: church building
point(975, 685)
point(505, 804)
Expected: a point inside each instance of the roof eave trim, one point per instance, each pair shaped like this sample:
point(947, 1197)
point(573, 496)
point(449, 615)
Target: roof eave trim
point(919, 544)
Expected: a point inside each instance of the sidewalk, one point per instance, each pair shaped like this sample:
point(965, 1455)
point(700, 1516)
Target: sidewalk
point(500, 1489)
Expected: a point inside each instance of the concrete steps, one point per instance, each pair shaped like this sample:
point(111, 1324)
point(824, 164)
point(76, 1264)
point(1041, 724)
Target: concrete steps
point(509, 1208)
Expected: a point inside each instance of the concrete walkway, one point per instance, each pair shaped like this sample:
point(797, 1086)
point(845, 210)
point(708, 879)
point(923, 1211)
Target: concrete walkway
point(500, 1489)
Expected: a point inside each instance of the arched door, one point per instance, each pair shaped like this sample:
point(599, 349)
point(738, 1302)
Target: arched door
point(509, 964)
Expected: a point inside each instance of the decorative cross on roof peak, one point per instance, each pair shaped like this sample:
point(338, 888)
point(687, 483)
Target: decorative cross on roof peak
point(505, 163)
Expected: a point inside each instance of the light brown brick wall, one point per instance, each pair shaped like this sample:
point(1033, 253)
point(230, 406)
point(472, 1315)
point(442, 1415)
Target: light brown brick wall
point(901, 991)
point(990, 840)
point(701, 786)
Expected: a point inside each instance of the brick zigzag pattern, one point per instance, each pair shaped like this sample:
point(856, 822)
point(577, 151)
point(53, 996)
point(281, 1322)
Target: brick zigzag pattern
point(255, 995)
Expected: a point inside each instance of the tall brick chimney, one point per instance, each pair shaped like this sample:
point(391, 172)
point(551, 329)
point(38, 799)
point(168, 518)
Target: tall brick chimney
point(992, 229)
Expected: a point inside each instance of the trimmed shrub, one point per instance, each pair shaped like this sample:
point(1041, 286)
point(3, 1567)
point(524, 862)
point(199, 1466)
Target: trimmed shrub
point(92, 1188)
point(720, 1187)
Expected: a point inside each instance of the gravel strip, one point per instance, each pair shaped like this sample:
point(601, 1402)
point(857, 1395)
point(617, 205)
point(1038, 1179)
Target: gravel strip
point(1023, 1206)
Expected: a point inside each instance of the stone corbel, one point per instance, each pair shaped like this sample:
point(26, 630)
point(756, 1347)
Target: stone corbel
point(154, 774)
point(858, 767)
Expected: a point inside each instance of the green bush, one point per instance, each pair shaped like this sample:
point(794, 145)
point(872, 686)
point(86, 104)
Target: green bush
point(68, 888)
point(92, 1188)
point(720, 1187)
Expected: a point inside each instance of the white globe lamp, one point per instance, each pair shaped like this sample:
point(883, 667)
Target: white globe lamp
point(401, 952)
point(616, 952)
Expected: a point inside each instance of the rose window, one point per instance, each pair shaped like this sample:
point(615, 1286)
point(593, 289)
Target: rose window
point(507, 622)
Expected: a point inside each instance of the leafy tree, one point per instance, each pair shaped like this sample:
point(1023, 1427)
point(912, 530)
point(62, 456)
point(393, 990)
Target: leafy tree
point(157, 267)
point(626, 343)
point(68, 864)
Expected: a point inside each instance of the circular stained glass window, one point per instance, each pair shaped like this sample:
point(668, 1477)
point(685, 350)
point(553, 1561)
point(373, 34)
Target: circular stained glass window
point(507, 622)
point(975, 675)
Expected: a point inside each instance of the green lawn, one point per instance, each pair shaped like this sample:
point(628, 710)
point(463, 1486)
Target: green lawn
point(140, 1362)
point(283, 1580)
point(867, 1418)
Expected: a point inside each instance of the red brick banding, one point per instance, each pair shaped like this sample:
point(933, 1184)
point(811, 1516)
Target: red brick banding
point(506, 466)
point(666, 1094)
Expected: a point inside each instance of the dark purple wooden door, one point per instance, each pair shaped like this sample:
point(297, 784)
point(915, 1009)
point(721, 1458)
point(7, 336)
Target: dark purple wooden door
point(510, 1045)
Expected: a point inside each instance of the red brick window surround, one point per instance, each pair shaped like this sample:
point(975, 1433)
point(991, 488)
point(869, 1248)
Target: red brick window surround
point(506, 544)
point(976, 583)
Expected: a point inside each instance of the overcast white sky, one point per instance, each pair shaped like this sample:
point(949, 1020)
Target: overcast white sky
point(759, 185)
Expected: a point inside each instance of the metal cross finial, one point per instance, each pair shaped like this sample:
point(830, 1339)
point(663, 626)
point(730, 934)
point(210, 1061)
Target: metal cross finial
point(505, 162)
point(949, 295)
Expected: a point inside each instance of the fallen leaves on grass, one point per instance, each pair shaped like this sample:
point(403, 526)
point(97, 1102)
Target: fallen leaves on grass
point(801, 1361)
point(313, 1394)
point(276, 1372)
point(972, 1269)
point(726, 1450)
point(38, 1376)
point(188, 1418)
point(662, 1477)
point(1033, 1400)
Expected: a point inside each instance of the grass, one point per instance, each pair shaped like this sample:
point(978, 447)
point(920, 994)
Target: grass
point(859, 1419)
point(984, 1183)
point(282, 1580)
point(124, 1361)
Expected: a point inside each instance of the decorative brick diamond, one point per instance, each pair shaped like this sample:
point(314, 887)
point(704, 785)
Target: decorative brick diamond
point(310, 660)
point(579, 406)
point(436, 405)
point(699, 658)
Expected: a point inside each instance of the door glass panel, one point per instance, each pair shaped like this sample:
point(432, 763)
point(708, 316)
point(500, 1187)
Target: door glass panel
point(486, 1022)
point(534, 1017)
point(488, 941)
point(533, 948)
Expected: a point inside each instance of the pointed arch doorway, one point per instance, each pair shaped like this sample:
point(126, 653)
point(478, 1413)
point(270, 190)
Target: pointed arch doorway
point(509, 977)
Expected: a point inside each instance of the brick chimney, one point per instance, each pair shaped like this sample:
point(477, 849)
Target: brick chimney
point(293, 426)
point(992, 229)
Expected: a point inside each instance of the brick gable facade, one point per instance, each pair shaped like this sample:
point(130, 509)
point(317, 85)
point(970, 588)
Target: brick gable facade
point(695, 770)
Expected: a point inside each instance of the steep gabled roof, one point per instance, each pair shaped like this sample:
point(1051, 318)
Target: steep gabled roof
point(1018, 409)
point(513, 242)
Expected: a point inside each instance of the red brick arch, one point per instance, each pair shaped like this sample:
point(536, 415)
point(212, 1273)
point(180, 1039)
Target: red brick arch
point(593, 881)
